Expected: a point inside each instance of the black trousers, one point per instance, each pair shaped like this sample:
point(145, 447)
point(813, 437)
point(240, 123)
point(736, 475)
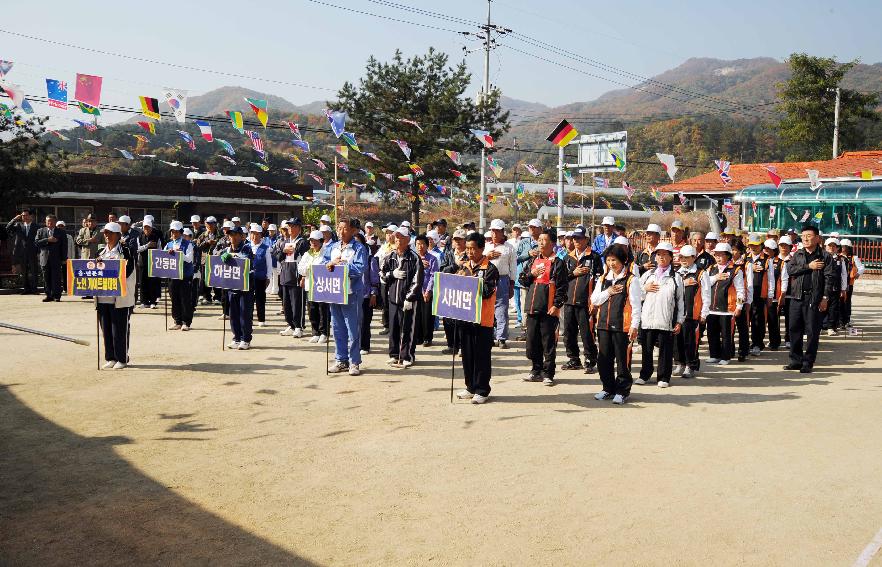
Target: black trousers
point(614, 362)
point(292, 304)
point(402, 328)
point(151, 288)
point(773, 322)
point(477, 342)
point(425, 321)
point(452, 337)
point(834, 312)
point(758, 314)
point(804, 319)
point(542, 342)
point(210, 293)
point(194, 292)
point(115, 328)
point(367, 315)
point(29, 273)
point(846, 306)
point(260, 298)
point(384, 318)
point(181, 301)
point(686, 344)
point(577, 324)
point(742, 329)
point(785, 309)
point(720, 330)
point(320, 318)
point(665, 341)
point(52, 280)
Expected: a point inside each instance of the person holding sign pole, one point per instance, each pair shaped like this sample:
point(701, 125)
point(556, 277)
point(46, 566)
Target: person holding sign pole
point(546, 282)
point(346, 319)
point(241, 302)
point(180, 290)
point(476, 339)
point(114, 312)
point(319, 313)
point(402, 273)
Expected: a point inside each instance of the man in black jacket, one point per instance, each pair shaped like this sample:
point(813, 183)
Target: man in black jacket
point(288, 253)
point(811, 284)
point(52, 242)
point(583, 267)
point(23, 231)
point(546, 281)
point(402, 272)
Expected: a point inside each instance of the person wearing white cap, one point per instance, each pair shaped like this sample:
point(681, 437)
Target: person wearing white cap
point(839, 288)
point(179, 291)
point(385, 249)
point(662, 315)
point(319, 313)
point(678, 237)
point(646, 257)
point(330, 234)
point(196, 225)
point(504, 256)
point(425, 322)
point(149, 289)
point(855, 269)
point(114, 312)
point(241, 303)
point(527, 250)
point(129, 237)
point(603, 240)
point(403, 274)
point(288, 252)
point(722, 300)
point(236, 221)
point(785, 245)
point(205, 243)
point(686, 341)
point(758, 267)
point(261, 267)
point(583, 266)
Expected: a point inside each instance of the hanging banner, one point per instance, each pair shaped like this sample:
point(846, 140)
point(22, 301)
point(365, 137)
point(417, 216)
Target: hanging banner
point(165, 264)
point(177, 100)
point(457, 297)
point(228, 275)
point(96, 278)
point(326, 286)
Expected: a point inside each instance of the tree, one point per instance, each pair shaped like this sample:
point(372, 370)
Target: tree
point(426, 90)
point(27, 169)
point(808, 99)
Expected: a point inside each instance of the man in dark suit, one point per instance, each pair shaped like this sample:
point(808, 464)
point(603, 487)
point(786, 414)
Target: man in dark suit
point(23, 231)
point(52, 243)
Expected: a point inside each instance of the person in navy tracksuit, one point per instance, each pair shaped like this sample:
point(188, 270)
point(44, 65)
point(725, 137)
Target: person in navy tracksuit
point(180, 290)
point(261, 248)
point(241, 302)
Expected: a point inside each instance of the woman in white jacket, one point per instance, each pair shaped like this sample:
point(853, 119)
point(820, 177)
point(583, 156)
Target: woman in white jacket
point(319, 313)
point(661, 317)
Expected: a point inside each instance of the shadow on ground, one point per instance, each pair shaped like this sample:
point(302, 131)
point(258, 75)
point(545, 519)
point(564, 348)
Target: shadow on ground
point(68, 500)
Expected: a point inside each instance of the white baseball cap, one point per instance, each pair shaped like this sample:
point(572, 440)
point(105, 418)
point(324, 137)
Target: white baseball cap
point(711, 236)
point(405, 223)
point(687, 250)
point(433, 234)
point(665, 246)
point(211, 220)
point(62, 223)
point(176, 225)
point(834, 235)
point(845, 242)
point(677, 224)
point(568, 234)
point(316, 235)
point(125, 219)
point(325, 218)
point(785, 240)
point(621, 240)
point(112, 227)
point(148, 222)
point(390, 228)
point(653, 228)
point(272, 227)
point(535, 222)
point(369, 224)
point(228, 224)
point(831, 241)
point(403, 231)
point(608, 221)
point(770, 243)
point(235, 219)
point(255, 228)
point(497, 224)
point(188, 232)
point(195, 218)
point(723, 247)
point(149, 218)
point(325, 228)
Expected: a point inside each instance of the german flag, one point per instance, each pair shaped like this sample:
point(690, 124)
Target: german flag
point(150, 107)
point(563, 134)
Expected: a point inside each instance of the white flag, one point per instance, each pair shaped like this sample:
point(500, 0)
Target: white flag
point(670, 164)
point(814, 184)
point(177, 100)
point(95, 143)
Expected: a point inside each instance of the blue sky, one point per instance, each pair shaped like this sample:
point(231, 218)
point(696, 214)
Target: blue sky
point(299, 41)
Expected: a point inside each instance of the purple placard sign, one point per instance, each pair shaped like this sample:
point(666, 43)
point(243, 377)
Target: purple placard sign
point(457, 297)
point(329, 287)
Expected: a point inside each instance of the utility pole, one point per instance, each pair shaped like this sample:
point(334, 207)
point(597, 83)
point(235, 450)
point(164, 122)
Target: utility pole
point(514, 187)
point(836, 125)
point(485, 93)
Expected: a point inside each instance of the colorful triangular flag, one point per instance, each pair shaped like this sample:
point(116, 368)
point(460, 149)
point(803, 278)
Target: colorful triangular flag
point(670, 164)
point(205, 130)
point(259, 108)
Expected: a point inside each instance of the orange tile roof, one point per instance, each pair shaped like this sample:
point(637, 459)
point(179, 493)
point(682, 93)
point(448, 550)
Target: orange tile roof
point(747, 174)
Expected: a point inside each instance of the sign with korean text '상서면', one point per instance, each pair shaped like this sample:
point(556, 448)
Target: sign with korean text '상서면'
point(165, 264)
point(326, 286)
point(233, 274)
point(457, 297)
point(96, 278)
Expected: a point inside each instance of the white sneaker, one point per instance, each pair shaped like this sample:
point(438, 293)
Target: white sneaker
point(479, 399)
point(338, 367)
point(678, 370)
point(185, 327)
point(755, 351)
point(364, 352)
point(323, 339)
point(174, 328)
point(712, 360)
point(261, 323)
point(723, 362)
point(143, 306)
point(602, 395)
point(233, 345)
point(406, 363)
point(119, 365)
point(201, 301)
point(222, 317)
point(314, 339)
point(831, 332)
point(298, 333)
point(687, 374)
point(464, 395)
point(787, 344)
point(664, 384)
point(287, 332)
point(109, 364)
point(154, 306)
point(354, 370)
point(244, 346)
point(392, 361)
point(640, 381)
point(619, 399)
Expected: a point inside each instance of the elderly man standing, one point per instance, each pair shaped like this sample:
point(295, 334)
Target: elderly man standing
point(502, 255)
point(52, 243)
point(527, 249)
point(23, 230)
point(604, 240)
point(346, 318)
point(88, 239)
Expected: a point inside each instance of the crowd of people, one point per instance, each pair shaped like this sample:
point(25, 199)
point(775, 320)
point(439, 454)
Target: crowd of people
point(608, 295)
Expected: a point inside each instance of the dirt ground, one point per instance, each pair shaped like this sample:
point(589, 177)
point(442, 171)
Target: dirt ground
point(196, 456)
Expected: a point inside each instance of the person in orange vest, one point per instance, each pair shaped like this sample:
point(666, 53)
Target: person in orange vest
point(686, 342)
point(616, 297)
point(758, 267)
point(476, 339)
point(722, 300)
point(855, 269)
point(546, 282)
point(773, 314)
point(742, 319)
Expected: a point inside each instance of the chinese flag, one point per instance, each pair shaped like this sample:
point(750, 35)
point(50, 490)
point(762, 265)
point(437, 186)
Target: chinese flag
point(88, 89)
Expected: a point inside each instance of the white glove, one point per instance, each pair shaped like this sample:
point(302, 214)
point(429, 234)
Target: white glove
point(399, 274)
point(408, 305)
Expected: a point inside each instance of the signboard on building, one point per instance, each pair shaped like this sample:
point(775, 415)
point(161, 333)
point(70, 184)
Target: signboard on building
point(599, 153)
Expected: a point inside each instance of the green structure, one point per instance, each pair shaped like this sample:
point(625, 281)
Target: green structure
point(852, 207)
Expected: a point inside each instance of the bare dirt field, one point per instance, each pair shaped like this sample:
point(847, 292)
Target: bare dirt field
point(196, 456)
